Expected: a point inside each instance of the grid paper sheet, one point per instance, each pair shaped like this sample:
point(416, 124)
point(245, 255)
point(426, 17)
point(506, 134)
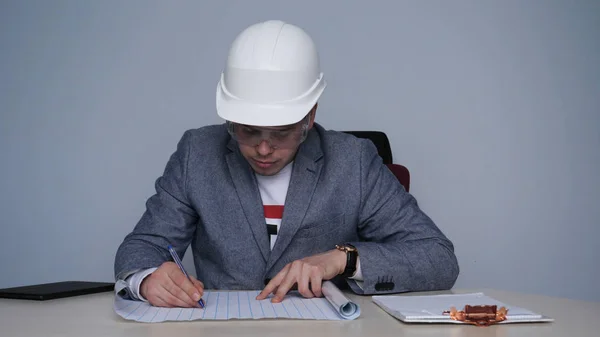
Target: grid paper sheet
point(225, 305)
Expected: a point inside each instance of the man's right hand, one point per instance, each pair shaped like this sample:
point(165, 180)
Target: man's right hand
point(168, 287)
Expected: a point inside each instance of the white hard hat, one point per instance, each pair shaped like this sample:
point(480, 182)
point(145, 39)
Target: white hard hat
point(272, 76)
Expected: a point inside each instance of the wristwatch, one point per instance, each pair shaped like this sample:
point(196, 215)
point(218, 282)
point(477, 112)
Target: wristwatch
point(351, 258)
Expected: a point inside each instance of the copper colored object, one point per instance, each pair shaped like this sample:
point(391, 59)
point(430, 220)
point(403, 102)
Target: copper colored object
point(480, 315)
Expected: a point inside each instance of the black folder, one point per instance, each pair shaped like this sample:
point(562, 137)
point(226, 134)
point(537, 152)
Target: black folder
point(48, 291)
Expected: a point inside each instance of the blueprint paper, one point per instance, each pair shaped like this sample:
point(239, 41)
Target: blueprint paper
point(226, 305)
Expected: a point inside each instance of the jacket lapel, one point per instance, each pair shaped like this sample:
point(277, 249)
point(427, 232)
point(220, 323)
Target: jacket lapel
point(305, 175)
point(247, 189)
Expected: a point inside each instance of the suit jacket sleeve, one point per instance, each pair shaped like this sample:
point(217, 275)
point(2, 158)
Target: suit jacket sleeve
point(400, 247)
point(168, 219)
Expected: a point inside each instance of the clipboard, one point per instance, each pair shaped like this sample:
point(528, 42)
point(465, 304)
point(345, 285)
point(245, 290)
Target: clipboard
point(49, 291)
point(434, 308)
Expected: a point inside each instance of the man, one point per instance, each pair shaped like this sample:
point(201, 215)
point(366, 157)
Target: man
point(271, 197)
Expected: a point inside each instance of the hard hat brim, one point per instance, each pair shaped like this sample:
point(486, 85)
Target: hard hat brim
point(255, 114)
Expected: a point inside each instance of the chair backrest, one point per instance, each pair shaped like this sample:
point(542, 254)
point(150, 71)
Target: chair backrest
point(382, 143)
point(402, 174)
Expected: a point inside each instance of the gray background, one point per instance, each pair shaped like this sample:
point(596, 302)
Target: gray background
point(494, 106)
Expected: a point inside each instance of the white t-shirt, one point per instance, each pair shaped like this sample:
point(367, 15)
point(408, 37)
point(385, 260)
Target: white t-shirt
point(273, 190)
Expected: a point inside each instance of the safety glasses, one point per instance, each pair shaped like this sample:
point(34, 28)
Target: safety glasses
point(285, 138)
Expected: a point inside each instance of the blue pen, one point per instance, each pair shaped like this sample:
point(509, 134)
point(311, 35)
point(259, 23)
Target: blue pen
point(180, 265)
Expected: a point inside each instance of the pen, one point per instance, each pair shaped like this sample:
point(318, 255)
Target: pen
point(180, 265)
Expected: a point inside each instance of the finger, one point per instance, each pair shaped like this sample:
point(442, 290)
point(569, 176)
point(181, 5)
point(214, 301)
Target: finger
point(186, 285)
point(183, 284)
point(271, 287)
point(157, 301)
point(315, 284)
point(287, 283)
point(199, 285)
point(173, 300)
point(154, 298)
point(173, 289)
point(273, 284)
point(304, 284)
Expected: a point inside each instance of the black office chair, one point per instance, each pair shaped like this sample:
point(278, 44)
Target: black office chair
point(382, 143)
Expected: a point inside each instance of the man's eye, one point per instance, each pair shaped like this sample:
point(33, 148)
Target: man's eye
point(282, 134)
point(249, 131)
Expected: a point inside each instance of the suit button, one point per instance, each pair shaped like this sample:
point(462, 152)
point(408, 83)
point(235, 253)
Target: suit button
point(385, 283)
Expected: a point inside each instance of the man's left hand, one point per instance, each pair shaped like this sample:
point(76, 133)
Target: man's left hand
point(310, 270)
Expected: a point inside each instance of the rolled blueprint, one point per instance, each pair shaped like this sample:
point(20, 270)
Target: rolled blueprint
point(344, 306)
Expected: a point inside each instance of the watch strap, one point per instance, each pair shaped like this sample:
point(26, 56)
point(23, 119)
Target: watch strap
point(351, 260)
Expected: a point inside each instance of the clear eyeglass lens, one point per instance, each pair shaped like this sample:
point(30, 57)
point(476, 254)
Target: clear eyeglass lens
point(276, 139)
point(282, 139)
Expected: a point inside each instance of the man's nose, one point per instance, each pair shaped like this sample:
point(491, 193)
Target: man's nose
point(264, 148)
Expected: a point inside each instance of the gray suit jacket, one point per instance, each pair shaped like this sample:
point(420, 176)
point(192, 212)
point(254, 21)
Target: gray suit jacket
point(340, 191)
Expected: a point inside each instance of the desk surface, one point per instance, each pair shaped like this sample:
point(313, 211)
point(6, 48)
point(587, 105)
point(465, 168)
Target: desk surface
point(93, 315)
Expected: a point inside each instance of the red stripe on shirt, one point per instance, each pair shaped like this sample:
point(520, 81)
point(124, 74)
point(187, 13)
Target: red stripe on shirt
point(273, 211)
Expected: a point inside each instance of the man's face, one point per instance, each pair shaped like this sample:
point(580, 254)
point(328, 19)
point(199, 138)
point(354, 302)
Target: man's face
point(271, 148)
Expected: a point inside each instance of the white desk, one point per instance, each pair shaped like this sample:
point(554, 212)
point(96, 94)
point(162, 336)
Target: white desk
point(93, 315)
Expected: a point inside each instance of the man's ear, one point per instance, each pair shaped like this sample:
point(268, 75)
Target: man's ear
point(312, 113)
